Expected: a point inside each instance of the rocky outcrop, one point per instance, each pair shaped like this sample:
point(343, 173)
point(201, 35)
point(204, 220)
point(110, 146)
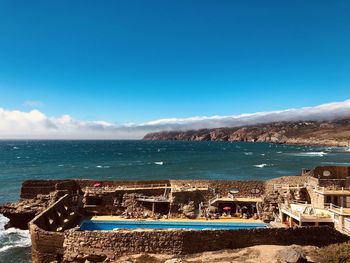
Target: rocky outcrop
point(25, 210)
point(336, 133)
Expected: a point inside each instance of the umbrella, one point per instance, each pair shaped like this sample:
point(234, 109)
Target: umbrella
point(227, 208)
point(97, 185)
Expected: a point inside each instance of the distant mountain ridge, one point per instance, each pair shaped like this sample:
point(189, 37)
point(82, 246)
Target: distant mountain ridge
point(328, 133)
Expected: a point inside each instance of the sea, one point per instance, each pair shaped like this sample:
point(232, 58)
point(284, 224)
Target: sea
point(144, 160)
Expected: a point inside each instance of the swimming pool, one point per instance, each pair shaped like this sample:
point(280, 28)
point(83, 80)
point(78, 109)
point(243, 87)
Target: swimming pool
point(131, 224)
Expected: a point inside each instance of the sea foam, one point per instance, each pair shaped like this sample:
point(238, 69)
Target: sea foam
point(319, 154)
point(12, 237)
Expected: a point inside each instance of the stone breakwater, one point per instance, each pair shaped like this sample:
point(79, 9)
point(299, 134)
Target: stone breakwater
point(336, 133)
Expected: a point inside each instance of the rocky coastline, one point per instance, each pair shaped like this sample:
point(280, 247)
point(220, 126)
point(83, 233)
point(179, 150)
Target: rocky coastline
point(326, 133)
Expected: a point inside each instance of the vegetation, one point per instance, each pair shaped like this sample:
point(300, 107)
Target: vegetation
point(336, 253)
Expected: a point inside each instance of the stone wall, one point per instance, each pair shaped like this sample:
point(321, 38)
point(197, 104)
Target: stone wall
point(332, 176)
point(99, 245)
point(31, 188)
point(335, 172)
point(246, 188)
point(82, 245)
point(291, 180)
point(46, 246)
point(47, 239)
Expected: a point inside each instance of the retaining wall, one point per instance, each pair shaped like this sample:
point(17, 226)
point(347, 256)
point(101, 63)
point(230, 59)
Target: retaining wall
point(100, 245)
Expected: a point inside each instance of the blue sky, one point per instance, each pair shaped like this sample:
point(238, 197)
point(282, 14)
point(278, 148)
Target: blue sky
point(135, 61)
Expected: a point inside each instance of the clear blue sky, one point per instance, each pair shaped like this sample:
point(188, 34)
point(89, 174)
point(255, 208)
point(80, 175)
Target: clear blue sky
point(132, 61)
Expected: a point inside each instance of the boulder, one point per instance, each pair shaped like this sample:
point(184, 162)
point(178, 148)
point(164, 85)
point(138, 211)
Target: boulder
point(189, 210)
point(293, 254)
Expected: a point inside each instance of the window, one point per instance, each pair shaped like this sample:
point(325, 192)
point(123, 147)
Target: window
point(255, 191)
point(234, 191)
point(326, 173)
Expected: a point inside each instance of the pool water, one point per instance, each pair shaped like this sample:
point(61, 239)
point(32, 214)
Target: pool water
point(131, 224)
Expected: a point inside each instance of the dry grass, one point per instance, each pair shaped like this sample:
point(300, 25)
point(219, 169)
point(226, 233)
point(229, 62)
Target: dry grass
point(336, 253)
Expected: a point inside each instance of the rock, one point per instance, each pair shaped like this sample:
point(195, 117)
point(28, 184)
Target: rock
point(175, 260)
point(23, 211)
point(293, 254)
point(189, 210)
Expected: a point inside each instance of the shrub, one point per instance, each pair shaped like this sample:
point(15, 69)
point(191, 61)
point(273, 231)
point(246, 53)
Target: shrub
point(336, 253)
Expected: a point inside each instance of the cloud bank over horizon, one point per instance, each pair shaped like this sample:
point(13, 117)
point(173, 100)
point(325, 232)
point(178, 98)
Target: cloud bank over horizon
point(35, 124)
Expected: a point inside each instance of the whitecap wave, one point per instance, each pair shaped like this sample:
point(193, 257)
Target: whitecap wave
point(159, 163)
point(248, 153)
point(102, 167)
point(317, 154)
point(261, 165)
point(337, 163)
point(12, 237)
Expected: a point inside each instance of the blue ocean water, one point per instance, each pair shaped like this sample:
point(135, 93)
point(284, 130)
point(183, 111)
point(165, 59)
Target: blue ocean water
point(149, 160)
point(144, 160)
point(110, 225)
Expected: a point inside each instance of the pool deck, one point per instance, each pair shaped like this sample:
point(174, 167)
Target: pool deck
point(226, 220)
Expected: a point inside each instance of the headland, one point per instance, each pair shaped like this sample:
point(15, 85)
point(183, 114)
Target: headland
point(321, 133)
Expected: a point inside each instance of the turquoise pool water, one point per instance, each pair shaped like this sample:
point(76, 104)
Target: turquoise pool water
point(130, 224)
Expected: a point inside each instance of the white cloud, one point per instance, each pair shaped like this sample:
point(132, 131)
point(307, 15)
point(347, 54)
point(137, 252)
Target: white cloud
point(36, 125)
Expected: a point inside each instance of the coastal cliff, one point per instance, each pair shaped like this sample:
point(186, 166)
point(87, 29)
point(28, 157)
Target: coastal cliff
point(333, 133)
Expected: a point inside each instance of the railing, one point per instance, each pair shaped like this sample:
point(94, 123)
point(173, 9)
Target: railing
point(323, 189)
point(302, 215)
point(346, 226)
point(299, 202)
point(153, 198)
point(189, 188)
point(336, 207)
point(289, 186)
point(127, 187)
point(213, 199)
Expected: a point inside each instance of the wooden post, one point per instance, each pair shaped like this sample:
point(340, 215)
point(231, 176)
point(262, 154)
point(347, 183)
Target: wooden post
point(153, 208)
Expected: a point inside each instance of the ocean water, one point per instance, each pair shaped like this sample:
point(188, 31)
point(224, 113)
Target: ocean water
point(144, 160)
